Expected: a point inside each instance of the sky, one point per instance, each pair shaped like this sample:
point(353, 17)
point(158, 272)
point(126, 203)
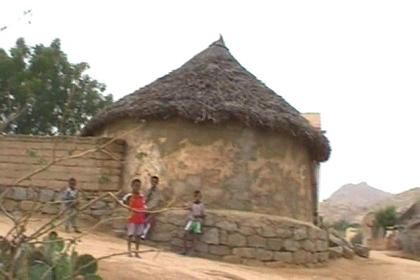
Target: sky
point(355, 62)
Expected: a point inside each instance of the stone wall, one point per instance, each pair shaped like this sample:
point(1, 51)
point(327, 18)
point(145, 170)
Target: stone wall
point(46, 201)
point(96, 171)
point(409, 239)
point(241, 237)
point(235, 167)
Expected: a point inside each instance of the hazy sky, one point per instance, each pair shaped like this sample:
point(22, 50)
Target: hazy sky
point(356, 62)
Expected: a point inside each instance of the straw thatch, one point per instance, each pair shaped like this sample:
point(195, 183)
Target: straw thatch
point(214, 87)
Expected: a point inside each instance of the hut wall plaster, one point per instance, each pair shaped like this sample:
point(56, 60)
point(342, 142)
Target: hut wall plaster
point(235, 167)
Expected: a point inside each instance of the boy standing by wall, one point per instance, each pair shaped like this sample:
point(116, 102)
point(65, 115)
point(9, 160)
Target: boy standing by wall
point(71, 201)
point(136, 220)
point(153, 201)
point(194, 224)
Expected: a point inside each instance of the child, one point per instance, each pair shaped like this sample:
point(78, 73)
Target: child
point(194, 224)
point(71, 200)
point(136, 220)
point(153, 201)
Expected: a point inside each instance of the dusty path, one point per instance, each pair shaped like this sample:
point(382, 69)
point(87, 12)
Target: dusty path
point(166, 265)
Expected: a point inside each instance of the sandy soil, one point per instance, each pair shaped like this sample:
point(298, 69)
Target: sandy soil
point(166, 265)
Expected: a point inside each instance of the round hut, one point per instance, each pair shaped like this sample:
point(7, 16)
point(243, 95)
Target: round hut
point(212, 125)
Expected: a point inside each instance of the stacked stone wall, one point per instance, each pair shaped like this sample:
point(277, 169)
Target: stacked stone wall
point(241, 237)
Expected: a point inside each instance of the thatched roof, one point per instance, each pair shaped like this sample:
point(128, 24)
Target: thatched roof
point(214, 87)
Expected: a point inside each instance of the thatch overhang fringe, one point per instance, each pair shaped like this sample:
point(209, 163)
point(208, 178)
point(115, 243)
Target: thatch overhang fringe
point(214, 87)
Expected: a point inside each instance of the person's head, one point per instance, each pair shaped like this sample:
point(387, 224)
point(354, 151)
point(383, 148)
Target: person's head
point(72, 183)
point(197, 195)
point(154, 181)
point(136, 185)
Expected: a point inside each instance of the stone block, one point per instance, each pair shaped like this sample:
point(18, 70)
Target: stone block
point(246, 230)
point(227, 225)
point(361, 251)
point(251, 262)
point(300, 257)
point(291, 245)
point(10, 205)
point(220, 250)
point(164, 227)
point(267, 231)
point(321, 245)
point(28, 205)
point(177, 242)
point(335, 252)
point(32, 194)
point(98, 205)
point(161, 236)
point(275, 244)
point(308, 245)
point(119, 223)
point(300, 233)
point(19, 193)
point(248, 253)
point(224, 237)
point(46, 195)
point(50, 209)
point(101, 212)
point(211, 236)
point(201, 247)
point(348, 253)
point(285, 257)
point(175, 218)
point(232, 259)
point(256, 241)
point(322, 234)
point(236, 240)
point(322, 257)
point(263, 255)
point(284, 232)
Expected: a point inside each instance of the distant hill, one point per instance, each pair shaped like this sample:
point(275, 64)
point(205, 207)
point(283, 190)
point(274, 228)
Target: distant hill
point(350, 200)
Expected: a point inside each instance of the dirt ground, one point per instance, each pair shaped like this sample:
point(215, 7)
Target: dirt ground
point(166, 265)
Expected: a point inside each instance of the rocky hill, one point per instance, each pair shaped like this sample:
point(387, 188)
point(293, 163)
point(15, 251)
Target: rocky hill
point(350, 200)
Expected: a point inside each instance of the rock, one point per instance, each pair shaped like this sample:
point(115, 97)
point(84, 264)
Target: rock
point(321, 245)
point(312, 233)
point(101, 212)
point(256, 241)
point(264, 255)
point(248, 253)
point(275, 244)
point(267, 231)
point(253, 263)
point(32, 194)
point(322, 257)
point(202, 247)
point(98, 205)
point(220, 250)
point(323, 235)
point(223, 237)
point(246, 230)
point(284, 232)
point(175, 218)
point(19, 193)
point(177, 242)
point(308, 245)
point(161, 236)
point(300, 233)
point(50, 209)
point(285, 257)
point(163, 227)
point(348, 253)
point(236, 240)
point(232, 259)
point(9, 205)
point(227, 225)
point(46, 195)
point(361, 251)
point(335, 252)
point(211, 236)
point(291, 245)
point(28, 205)
point(300, 257)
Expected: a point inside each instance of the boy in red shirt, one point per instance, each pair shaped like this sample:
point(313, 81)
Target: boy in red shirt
point(136, 220)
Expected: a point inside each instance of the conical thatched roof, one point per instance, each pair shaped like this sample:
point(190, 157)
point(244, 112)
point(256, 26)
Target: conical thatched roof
point(214, 87)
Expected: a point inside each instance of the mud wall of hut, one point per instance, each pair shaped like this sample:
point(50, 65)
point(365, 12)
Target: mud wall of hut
point(235, 167)
point(96, 171)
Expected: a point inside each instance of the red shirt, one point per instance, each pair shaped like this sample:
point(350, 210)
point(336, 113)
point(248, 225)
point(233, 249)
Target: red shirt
point(136, 202)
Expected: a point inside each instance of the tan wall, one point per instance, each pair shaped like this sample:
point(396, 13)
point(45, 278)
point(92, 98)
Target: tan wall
point(21, 155)
point(235, 167)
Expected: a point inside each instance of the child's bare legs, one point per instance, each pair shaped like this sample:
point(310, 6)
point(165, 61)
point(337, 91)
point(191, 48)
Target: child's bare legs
point(137, 246)
point(129, 241)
